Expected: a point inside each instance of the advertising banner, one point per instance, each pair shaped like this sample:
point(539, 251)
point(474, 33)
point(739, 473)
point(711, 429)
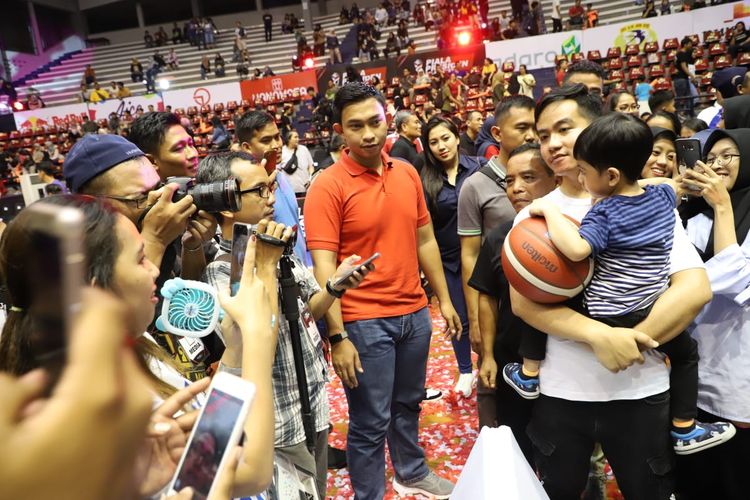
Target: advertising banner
point(450, 60)
point(101, 110)
point(535, 52)
point(721, 16)
point(337, 73)
point(205, 95)
point(56, 115)
point(654, 29)
point(279, 88)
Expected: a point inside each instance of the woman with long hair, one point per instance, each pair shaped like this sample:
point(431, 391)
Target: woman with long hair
point(443, 175)
point(663, 159)
point(115, 262)
point(717, 219)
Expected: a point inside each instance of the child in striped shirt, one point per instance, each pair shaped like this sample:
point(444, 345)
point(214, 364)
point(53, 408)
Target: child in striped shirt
point(629, 233)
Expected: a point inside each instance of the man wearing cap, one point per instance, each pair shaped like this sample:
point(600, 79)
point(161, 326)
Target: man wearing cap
point(728, 83)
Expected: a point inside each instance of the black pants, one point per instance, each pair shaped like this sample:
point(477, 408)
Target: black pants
point(682, 351)
point(268, 31)
point(634, 435)
point(719, 472)
point(556, 25)
point(514, 411)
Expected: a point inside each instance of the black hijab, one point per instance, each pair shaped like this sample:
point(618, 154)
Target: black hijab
point(737, 112)
point(739, 194)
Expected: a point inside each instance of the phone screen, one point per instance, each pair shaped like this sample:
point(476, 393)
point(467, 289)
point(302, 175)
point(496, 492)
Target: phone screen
point(240, 234)
point(47, 302)
point(208, 443)
point(688, 152)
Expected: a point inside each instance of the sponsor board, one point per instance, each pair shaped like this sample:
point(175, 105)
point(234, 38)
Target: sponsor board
point(536, 52)
point(55, 115)
point(279, 88)
point(654, 29)
point(337, 73)
point(101, 110)
point(203, 95)
point(451, 60)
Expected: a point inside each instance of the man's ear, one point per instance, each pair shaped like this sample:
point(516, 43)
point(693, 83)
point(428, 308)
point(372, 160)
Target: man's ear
point(227, 215)
point(153, 161)
point(244, 146)
point(613, 176)
point(338, 128)
point(495, 131)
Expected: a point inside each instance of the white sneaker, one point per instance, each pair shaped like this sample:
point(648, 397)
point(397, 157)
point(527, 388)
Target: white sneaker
point(432, 486)
point(432, 395)
point(465, 384)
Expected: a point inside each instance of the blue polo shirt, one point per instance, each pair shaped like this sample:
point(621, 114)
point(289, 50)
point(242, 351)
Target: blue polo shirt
point(445, 220)
point(286, 211)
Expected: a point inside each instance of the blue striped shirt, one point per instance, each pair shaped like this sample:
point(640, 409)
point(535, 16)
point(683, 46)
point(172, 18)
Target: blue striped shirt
point(631, 238)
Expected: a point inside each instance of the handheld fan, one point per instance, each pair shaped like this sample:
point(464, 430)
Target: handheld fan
point(190, 308)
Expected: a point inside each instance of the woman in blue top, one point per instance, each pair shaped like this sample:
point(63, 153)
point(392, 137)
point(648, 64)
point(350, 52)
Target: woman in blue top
point(443, 174)
point(717, 219)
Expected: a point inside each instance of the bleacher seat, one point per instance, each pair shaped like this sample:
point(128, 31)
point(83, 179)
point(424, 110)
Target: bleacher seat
point(711, 36)
point(716, 49)
point(594, 55)
point(192, 111)
point(670, 44)
point(633, 49)
point(615, 63)
point(635, 73)
point(231, 105)
point(743, 59)
point(509, 67)
point(574, 58)
point(701, 65)
point(614, 52)
point(650, 47)
point(670, 55)
point(634, 61)
point(722, 61)
point(616, 75)
point(661, 84)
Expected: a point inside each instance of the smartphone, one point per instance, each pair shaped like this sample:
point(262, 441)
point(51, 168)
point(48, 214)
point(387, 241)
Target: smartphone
point(217, 431)
point(271, 160)
point(240, 234)
point(348, 275)
point(688, 152)
point(56, 276)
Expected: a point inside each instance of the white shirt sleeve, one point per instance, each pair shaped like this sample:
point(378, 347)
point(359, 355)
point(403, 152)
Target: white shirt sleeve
point(684, 255)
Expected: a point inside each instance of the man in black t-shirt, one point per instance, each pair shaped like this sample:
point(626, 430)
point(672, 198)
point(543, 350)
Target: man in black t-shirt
point(681, 79)
point(467, 141)
point(528, 178)
point(268, 26)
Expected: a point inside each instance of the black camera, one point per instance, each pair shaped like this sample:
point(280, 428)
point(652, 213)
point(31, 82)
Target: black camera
point(211, 197)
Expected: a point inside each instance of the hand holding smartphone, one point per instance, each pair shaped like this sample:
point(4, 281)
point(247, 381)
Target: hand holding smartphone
point(214, 436)
point(343, 279)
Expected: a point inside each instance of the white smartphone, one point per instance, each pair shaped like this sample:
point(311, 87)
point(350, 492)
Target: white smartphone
point(217, 431)
point(57, 275)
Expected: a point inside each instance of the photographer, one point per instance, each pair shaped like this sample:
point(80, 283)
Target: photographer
point(257, 208)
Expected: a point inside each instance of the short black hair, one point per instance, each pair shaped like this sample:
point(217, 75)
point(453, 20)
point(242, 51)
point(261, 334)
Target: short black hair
point(685, 41)
point(695, 124)
point(536, 149)
point(352, 93)
point(89, 127)
point(249, 123)
point(616, 140)
point(659, 99)
point(672, 117)
point(589, 105)
point(584, 66)
point(218, 168)
point(507, 103)
point(148, 130)
point(47, 167)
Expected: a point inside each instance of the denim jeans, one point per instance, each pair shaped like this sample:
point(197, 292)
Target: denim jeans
point(461, 348)
point(385, 405)
point(682, 89)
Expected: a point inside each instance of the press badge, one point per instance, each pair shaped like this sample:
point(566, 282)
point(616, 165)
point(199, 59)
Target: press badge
point(309, 322)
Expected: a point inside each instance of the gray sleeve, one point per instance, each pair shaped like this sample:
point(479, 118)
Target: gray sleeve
point(469, 208)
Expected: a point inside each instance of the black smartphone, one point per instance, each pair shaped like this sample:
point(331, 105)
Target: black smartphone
point(240, 234)
point(688, 152)
point(57, 274)
point(348, 275)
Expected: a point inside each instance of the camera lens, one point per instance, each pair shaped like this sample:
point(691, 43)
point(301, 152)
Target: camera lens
point(216, 197)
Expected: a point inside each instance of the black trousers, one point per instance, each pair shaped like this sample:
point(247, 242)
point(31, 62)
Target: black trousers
point(682, 351)
point(514, 411)
point(268, 31)
point(556, 25)
point(719, 472)
point(634, 435)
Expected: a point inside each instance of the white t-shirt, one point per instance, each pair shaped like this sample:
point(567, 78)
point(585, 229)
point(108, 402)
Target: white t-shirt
point(570, 369)
point(555, 8)
point(300, 178)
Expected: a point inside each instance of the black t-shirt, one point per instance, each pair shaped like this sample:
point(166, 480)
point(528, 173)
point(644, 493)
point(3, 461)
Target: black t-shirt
point(687, 58)
point(488, 278)
point(467, 146)
point(740, 38)
point(406, 150)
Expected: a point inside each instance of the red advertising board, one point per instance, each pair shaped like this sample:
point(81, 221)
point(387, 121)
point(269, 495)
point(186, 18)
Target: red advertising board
point(279, 88)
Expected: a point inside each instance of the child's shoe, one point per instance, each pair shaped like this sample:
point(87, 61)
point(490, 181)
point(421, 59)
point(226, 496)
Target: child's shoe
point(702, 437)
point(527, 387)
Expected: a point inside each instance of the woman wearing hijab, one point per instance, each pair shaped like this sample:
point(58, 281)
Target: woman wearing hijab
point(663, 159)
point(737, 112)
point(717, 218)
point(487, 146)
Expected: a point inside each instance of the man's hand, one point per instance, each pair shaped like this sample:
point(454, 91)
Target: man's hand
point(475, 337)
point(267, 256)
point(357, 277)
point(166, 221)
point(619, 348)
point(488, 371)
point(200, 230)
point(346, 363)
point(453, 327)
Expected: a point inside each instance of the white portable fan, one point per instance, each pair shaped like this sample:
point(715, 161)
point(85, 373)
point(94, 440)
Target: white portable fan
point(190, 308)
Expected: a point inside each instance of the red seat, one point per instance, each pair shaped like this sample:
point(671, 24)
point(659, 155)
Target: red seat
point(574, 58)
point(670, 44)
point(395, 81)
point(614, 52)
point(650, 47)
point(245, 103)
point(179, 111)
point(205, 109)
point(226, 116)
point(3, 136)
point(695, 39)
point(698, 52)
point(230, 125)
point(231, 105)
point(743, 59)
point(509, 67)
point(711, 37)
point(27, 142)
point(615, 63)
point(420, 99)
point(633, 49)
point(594, 55)
point(657, 70)
point(192, 111)
point(716, 49)
point(661, 84)
point(701, 65)
point(15, 143)
point(722, 61)
point(670, 55)
point(218, 107)
point(14, 134)
point(634, 61)
point(706, 79)
point(616, 75)
point(27, 132)
point(635, 73)
point(620, 87)
point(560, 58)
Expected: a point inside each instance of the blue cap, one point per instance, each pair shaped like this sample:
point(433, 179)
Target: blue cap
point(94, 154)
point(726, 80)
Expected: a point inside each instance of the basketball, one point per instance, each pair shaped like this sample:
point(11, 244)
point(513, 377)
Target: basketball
point(535, 268)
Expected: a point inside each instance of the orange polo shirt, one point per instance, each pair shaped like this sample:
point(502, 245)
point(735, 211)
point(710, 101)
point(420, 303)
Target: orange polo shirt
point(350, 209)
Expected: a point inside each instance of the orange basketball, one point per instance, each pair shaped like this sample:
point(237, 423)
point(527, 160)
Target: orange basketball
point(535, 268)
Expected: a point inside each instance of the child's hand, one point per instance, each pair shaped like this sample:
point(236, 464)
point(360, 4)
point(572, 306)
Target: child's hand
point(541, 206)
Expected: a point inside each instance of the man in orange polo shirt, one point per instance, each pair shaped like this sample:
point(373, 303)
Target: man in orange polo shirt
point(380, 333)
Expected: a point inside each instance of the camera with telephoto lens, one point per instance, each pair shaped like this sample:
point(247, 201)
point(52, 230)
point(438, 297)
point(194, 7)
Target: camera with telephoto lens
point(211, 197)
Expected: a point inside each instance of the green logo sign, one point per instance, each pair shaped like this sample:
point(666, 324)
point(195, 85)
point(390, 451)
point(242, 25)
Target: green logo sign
point(571, 46)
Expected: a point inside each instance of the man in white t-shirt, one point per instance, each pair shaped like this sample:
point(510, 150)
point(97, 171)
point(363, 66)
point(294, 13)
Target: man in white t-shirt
point(585, 398)
point(556, 17)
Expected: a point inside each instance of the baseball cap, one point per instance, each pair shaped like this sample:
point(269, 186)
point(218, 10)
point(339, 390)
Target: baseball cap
point(726, 80)
point(95, 154)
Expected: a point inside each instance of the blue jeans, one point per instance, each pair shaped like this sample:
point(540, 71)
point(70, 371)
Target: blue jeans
point(682, 89)
point(393, 352)
point(461, 348)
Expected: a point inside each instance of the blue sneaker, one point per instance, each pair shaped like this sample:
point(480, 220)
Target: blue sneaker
point(527, 388)
point(701, 438)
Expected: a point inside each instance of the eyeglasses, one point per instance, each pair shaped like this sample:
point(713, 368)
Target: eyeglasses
point(264, 191)
point(139, 201)
point(721, 160)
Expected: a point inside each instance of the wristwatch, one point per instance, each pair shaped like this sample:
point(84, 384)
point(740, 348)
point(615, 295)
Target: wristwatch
point(332, 291)
point(335, 339)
